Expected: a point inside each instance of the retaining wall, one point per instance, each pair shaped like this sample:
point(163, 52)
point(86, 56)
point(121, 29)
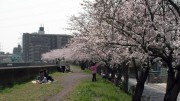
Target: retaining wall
point(9, 75)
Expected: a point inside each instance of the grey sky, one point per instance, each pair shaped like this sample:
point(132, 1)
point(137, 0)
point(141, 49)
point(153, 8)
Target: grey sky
point(19, 16)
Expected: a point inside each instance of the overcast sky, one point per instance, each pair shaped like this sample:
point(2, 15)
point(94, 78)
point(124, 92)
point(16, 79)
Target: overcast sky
point(20, 16)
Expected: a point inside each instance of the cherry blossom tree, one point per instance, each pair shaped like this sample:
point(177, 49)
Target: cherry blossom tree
point(152, 26)
point(99, 39)
point(113, 31)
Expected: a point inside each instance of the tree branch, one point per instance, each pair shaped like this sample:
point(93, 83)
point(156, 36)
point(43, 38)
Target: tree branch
point(176, 7)
point(113, 43)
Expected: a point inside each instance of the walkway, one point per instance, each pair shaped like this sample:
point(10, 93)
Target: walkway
point(155, 91)
point(69, 81)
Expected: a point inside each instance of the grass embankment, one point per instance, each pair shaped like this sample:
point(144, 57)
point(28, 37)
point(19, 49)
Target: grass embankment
point(101, 90)
point(85, 91)
point(32, 92)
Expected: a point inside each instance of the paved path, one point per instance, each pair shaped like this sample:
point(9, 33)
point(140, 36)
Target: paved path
point(68, 82)
point(154, 90)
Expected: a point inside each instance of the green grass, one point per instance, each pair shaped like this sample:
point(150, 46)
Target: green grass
point(31, 92)
point(87, 71)
point(97, 91)
point(85, 91)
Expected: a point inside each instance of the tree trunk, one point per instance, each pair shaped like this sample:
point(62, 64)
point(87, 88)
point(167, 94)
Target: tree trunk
point(173, 86)
point(126, 79)
point(140, 85)
point(170, 84)
point(113, 72)
point(175, 92)
point(141, 79)
point(119, 75)
point(138, 91)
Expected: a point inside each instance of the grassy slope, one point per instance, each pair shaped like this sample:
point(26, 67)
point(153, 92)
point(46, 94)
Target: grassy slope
point(85, 91)
point(97, 91)
point(31, 92)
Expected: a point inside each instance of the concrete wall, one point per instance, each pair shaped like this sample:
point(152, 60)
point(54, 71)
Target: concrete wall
point(9, 75)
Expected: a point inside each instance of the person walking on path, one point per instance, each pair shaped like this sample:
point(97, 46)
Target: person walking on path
point(94, 71)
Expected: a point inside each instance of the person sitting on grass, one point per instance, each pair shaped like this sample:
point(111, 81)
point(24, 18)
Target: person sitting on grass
point(103, 75)
point(49, 78)
point(41, 78)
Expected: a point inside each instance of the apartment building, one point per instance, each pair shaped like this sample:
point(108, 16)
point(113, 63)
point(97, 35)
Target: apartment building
point(35, 44)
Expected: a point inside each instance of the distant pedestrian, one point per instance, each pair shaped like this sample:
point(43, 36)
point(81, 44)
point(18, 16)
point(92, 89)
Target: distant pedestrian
point(68, 69)
point(58, 65)
point(63, 65)
point(94, 71)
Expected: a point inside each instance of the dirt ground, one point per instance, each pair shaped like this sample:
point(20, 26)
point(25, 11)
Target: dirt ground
point(68, 82)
